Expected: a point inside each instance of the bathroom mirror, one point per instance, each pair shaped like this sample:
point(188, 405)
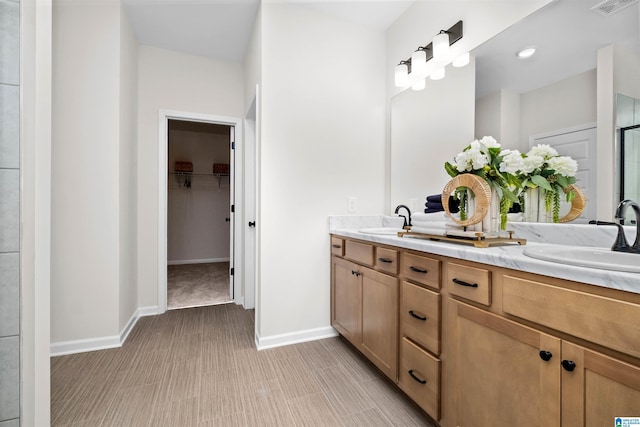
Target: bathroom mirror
point(519, 102)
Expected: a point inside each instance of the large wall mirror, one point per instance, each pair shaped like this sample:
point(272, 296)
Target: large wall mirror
point(551, 97)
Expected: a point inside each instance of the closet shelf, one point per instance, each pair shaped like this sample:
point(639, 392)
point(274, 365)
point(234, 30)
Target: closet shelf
point(184, 178)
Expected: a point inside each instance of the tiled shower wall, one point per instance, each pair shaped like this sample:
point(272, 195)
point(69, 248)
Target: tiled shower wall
point(9, 213)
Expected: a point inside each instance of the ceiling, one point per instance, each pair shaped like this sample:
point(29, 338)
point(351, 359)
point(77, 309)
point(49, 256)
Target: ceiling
point(221, 29)
point(566, 34)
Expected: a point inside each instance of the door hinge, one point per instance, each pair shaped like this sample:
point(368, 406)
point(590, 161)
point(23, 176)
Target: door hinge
point(233, 145)
point(233, 208)
point(231, 272)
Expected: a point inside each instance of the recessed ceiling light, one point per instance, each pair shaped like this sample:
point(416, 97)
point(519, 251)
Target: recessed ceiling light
point(526, 53)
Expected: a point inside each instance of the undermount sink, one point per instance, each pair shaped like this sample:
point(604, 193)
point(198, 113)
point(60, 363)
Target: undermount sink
point(602, 258)
point(388, 231)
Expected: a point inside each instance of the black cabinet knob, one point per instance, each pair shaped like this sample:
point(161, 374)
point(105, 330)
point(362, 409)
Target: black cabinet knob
point(252, 223)
point(545, 355)
point(569, 365)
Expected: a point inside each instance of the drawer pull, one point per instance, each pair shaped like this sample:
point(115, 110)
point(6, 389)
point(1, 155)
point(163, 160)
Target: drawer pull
point(569, 365)
point(415, 377)
point(545, 355)
point(417, 316)
point(336, 246)
point(463, 283)
point(418, 270)
point(355, 273)
point(387, 260)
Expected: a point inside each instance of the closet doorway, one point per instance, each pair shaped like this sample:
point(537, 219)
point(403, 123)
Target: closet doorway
point(199, 196)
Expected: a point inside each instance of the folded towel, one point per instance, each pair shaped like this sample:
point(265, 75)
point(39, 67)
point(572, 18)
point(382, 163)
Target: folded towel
point(424, 230)
point(436, 216)
point(433, 205)
point(435, 198)
point(429, 224)
point(433, 210)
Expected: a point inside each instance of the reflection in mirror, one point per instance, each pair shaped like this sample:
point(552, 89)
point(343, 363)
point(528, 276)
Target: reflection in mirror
point(550, 97)
point(628, 133)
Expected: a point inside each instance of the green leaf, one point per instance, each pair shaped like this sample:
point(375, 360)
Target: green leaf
point(509, 195)
point(562, 180)
point(451, 170)
point(570, 196)
point(540, 181)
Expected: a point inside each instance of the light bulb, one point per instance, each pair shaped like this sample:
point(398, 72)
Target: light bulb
point(419, 63)
point(437, 74)
point(461, 61)
point(418, 85)
point(441, 52)
point(526, 53)
point(402, 75)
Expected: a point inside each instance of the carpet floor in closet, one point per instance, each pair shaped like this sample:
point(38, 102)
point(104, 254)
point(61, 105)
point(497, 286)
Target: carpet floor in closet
point(195, 285)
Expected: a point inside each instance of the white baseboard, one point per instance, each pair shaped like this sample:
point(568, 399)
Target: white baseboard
point(263, 343)
point(101, 343)
point(197, 261)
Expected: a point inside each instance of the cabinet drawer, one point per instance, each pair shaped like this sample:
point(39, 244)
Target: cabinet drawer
point(470, 283)
point(337, 246)
point(420, 377)
point(606, 321)
point(420, 316)
point(387, 260)
point(420, 269)
point(359, 252)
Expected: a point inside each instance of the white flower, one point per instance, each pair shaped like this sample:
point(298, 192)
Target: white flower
point(563, 165)
point(544, 150)
point(511, 161)
point(489, 142)
point(531, 162)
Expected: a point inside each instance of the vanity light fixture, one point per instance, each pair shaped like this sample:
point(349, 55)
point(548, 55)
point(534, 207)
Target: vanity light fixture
point(414, 69)
point(441, 51)
point(419, 84)
point(402, 73)
point(461, 61)
point(438, 74)
point(419, 61)
point(526, 53)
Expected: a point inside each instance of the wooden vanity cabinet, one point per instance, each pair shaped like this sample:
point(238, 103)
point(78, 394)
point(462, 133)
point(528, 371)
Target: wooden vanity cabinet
point(364, 309)
point(517, 362)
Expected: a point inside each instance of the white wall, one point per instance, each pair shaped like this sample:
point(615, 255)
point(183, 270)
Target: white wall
point(322, 141)
point(564, 104)
point(253, 61)
point(85, 171)
point(128, 164)
point(182, 82)
point(197, 230)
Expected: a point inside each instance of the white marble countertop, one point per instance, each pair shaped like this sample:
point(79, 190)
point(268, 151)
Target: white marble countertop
point(508, 256)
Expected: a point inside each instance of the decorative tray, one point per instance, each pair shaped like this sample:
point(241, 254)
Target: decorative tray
point(480, 240)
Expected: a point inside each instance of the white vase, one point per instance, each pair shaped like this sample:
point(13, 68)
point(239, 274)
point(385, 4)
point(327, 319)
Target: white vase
point(535, 209)
point(491, 221)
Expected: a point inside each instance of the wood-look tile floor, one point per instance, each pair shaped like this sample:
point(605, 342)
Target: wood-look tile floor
point(199, 367)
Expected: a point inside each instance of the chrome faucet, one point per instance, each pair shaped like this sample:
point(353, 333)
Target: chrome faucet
point(406, 222)
point(622, 245)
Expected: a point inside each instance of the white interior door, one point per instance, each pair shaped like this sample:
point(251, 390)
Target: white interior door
point(250, 208)
point(232, 161)
point(580, 144)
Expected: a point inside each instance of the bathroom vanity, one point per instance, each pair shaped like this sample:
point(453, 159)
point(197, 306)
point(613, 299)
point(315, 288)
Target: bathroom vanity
point(487, 336)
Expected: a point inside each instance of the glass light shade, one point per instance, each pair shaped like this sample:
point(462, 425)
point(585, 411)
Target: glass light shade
point(461, 61)
point(419, 63)
point(402, 75)
point(441, 52)
point(437, 74)
point(418, 85)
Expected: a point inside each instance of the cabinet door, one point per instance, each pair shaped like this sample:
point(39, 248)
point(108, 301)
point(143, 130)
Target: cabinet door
point(598, 389)
point(346, 299)
point(501, 377)
point(380, 321)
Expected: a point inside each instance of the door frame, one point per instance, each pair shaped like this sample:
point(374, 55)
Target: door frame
point(163, 169)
